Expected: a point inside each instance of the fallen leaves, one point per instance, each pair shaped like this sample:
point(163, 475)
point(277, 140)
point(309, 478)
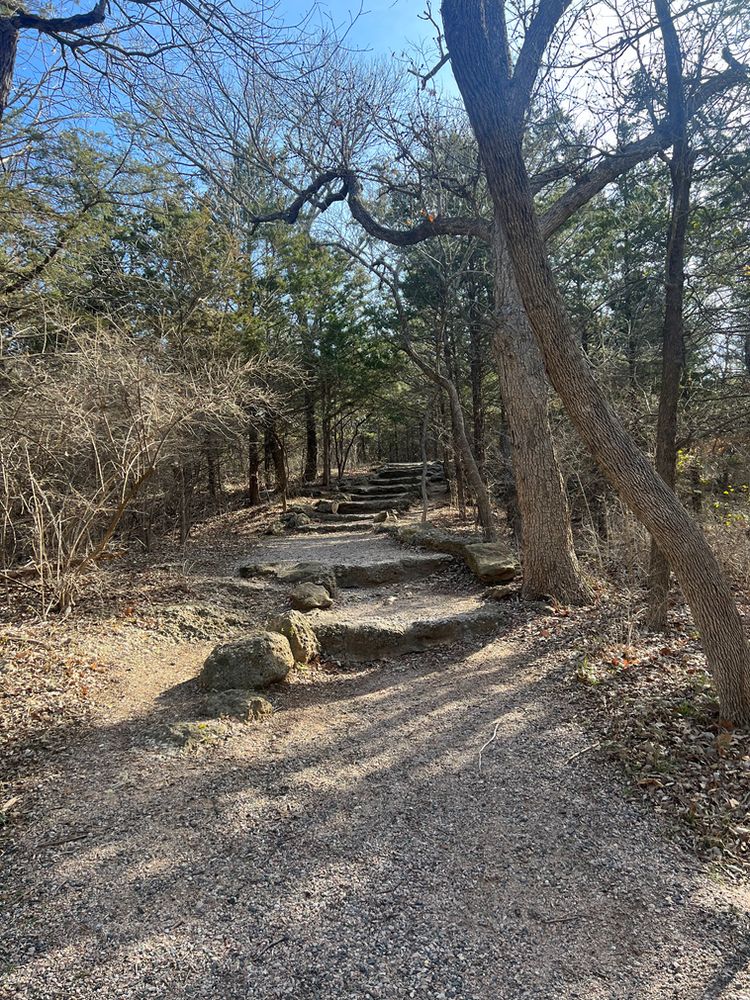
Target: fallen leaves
point(657, 713)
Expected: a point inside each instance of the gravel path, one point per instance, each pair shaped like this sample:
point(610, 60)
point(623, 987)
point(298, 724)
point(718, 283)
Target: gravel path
point(438, 826)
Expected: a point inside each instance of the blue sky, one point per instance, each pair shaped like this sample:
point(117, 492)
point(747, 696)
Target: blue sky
point(383, 26)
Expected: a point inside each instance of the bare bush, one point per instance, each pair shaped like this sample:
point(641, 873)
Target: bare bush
point(83, 429)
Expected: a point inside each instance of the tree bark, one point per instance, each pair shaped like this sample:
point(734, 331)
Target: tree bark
point(550, 564)
point(279, 465)
point(8, 48)
point(253, 464)
point(423, 446)
point(311, 439)
point(477, 370)
point(496, 99)
point(673, 361)
point(673, 336)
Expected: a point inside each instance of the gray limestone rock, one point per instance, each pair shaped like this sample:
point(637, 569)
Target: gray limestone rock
point(254, 662)
point(492, 562)
point(303, 641)
point(243, 705)
point(402, 569)
point(378, 638)
point(310, 572)
point(308, 596)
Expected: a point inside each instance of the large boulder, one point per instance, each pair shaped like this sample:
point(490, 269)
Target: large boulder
point(492, 562)
point(308, 596)
point(303, 641)
point(254, 662)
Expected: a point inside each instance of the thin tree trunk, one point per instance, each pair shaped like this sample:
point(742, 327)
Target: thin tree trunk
point(461, 442)
point(460, 492)
point(253, 464)
point(673, 360)
point(311, 439)
point(673, 338)
point(279, 465)
point(423, 443)
point(550, 564)
point(476, 349)
point(326, 449)
point(476, 36)
point(268, 432)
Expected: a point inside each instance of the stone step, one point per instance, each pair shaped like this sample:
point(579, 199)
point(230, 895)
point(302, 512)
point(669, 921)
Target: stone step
point(376, 637)
point(395, 469)
point(373, 491)
point(402, 569)
point(401, 502)
point(332, 527)
point(339, 518)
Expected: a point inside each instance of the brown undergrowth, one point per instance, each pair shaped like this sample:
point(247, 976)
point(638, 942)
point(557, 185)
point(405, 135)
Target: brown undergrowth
point(652, 703)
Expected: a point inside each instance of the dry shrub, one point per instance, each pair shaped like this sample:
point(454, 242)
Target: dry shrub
point(82, 430)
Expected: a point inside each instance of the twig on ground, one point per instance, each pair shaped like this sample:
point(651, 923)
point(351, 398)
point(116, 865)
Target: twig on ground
point(580, 753)
point(271, 944)
point(63, 840)
point(490, 740)
point(564, 920)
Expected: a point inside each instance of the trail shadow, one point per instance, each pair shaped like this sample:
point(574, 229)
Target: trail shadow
point(357, 845)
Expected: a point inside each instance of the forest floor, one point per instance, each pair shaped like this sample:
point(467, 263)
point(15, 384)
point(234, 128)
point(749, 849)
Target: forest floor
point(551, 813)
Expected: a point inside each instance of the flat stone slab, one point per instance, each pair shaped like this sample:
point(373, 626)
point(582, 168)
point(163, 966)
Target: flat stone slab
point(404, 569)
point(399, 502)
point(375, 638)
point(377, 491)
point(336, 527)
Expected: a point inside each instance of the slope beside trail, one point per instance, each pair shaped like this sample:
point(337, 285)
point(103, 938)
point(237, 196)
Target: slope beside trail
point(436, 825)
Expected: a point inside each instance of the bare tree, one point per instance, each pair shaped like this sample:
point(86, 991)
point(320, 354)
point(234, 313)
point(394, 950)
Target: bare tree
point(348, 135)
point(497, 92)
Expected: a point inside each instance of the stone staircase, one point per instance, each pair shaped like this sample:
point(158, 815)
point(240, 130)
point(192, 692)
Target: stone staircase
point(396, 487)
point(387, 600)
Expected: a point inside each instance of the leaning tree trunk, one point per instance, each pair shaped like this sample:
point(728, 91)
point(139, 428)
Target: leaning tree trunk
point(550, 564)
point(476, 36)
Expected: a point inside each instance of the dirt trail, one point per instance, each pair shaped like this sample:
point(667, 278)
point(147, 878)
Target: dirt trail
point(436, 826)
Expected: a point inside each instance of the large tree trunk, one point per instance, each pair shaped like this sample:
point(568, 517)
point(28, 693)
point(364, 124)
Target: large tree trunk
point(476, 36)
point(8, 47)
point(550, 565)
